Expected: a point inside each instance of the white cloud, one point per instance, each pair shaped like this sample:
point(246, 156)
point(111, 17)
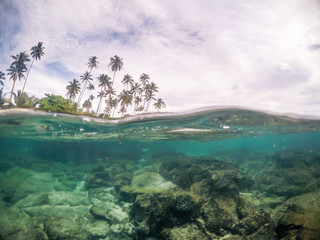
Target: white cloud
point(249, 53)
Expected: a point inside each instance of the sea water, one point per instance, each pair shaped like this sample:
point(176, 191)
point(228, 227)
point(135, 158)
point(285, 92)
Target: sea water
point(67, 177)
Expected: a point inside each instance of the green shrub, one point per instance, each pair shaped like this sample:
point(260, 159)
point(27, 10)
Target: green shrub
point(56, 103)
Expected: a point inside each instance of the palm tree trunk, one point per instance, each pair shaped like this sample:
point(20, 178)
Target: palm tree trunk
point(144, 103)
point(25, 81)
point(82, 92)
point(148, 105)
point(108, 103)
point(99, 105)
point(14, 83)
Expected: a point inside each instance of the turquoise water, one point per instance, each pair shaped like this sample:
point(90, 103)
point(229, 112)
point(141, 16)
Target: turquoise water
point(70, 177)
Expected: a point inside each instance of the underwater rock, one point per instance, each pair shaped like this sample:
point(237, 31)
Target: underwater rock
point(299, 217)
point(152, 213)
point(109, 212)
point(98, 177)
point(264, 201)
point(253, 222)
point(218, 218)
point(16, 225)
point(58, 228)
point(75, 198)
point(183, 172)
point(107, 208)
point(290, 173)
point(185, 232)
point(280, 182)
point(34, 199)
point(97, 229)
point(219, 177)
point(18, 183)
point(114, 173)
point(98, 195)
point(144, 182)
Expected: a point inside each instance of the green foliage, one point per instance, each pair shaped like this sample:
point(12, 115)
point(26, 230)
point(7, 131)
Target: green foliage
point(56, 103)
point(24, 101)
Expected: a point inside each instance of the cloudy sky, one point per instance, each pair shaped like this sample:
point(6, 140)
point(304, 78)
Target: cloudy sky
point(250, 53)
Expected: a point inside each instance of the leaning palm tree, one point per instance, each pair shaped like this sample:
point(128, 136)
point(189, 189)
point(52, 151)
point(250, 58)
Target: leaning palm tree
point(127, 80)
point(73, 89)
point(17, 69)
point(125, 99)
point(86, 78)
point(2, 78)
point(116, 64)
point(36, 54)
point(159, 104)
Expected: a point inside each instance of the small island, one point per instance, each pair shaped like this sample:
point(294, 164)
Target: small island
point(135, 94)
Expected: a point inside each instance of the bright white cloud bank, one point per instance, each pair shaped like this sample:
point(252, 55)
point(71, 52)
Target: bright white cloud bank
point(260, 54)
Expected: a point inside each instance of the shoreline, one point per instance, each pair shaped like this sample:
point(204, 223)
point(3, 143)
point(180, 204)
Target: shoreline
point(155, 115)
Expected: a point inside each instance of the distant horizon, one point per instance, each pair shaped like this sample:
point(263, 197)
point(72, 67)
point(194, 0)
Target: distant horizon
point(255, 55)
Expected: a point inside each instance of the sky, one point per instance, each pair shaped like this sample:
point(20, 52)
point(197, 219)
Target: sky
point(248, 53)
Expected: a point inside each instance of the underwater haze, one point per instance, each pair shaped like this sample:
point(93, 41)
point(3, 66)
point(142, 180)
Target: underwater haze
point(223, 173)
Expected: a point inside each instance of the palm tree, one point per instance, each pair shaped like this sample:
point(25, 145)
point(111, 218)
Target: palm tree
point(91, 97)
point(36, 54)
point(73, 89)
point(87, 105)
point(144, 79)
point(159, 104)
point(101, 95)
point(17, 68)
point(125, 99)
point(136, 89)
point(86, 78)
point(113, 93)
point(150, 90)
point(2, 78)
point(90, 88)
point(113, 105)
point(116, 64)
point(137, 101)
point(93, 63)
point(20, 98)
point(104, 82)
point(127, 80)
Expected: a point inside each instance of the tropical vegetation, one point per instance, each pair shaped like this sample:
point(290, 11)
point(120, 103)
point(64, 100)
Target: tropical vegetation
point(135, 96)
point(36, 53)
point(56, 103)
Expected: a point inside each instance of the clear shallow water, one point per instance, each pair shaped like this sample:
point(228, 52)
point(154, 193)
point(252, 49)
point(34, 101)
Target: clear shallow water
point(63, 153)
